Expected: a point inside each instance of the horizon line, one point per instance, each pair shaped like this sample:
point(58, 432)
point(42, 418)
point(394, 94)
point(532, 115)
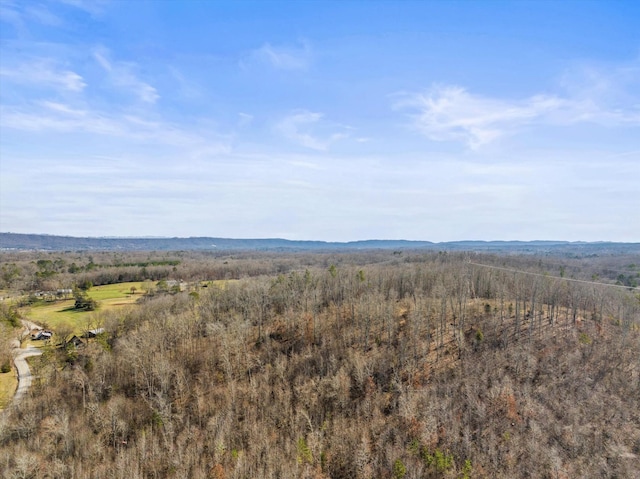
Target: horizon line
point(152, 237)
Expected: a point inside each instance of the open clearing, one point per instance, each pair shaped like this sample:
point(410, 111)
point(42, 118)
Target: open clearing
point(8, 384)
point(61, 313)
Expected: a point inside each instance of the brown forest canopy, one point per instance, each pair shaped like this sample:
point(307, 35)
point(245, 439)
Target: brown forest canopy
point(340, 365)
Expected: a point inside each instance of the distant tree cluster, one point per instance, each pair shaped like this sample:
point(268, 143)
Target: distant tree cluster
point(83, 302)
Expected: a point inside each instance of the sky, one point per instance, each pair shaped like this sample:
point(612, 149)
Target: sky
point(321, 120)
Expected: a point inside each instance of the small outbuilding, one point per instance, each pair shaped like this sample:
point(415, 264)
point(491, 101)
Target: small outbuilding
point(76, 341)
point(41, 335)
point(92, 333)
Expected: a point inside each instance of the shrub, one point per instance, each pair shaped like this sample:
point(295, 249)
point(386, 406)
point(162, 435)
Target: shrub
point(439, 461)
point(304, 452)
point(399, 469)
point(466, 470)
point(584, 338)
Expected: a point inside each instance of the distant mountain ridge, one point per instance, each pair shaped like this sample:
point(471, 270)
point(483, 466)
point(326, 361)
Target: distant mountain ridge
point(18, 241)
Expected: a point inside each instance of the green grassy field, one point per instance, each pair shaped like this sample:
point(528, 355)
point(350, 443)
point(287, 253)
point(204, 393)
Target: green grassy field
point(58, 314)
point(9, 297)
point(116, 294)
point(8, 385)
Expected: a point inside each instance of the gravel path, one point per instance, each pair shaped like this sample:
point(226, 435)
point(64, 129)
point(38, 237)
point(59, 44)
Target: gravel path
point(24, 373)
point(20, 360)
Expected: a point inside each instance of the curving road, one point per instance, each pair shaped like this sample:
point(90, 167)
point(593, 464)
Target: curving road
point(20, 360)
point(24, 373)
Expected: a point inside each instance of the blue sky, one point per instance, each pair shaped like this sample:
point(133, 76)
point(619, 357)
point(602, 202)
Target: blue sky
point(329, 120)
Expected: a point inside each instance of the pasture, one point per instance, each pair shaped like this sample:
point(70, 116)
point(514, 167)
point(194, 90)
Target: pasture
point(8, 385)
point(57, 314)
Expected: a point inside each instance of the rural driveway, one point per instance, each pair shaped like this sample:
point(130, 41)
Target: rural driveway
point(24, 373)
point(20, 360)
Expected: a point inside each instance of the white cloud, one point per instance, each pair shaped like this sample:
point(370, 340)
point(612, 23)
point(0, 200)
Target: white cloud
point(44, 73)
point(298, 127)
point(122, 75)
point(607, 94)
point(608, 82)
point(284, 58)
point(244, 119)
point(62, 108)
point(452, 113)
point(19, 14)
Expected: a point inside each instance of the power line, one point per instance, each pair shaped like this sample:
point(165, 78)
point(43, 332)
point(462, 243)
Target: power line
point(554, 277)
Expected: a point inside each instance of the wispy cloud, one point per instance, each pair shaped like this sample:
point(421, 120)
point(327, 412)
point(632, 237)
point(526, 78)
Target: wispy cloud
point(608, 94)
point(19, 14)
point(452, 113)
point(56, 117)
point(244, 119)
point(186, 87)
point(9, 13)
point(43, 15)
point(94, 7)
point(284, 58)
point(300, 125)
point(44, 73)
point(122, 75)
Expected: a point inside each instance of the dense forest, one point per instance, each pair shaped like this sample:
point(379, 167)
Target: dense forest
point(374, 364)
